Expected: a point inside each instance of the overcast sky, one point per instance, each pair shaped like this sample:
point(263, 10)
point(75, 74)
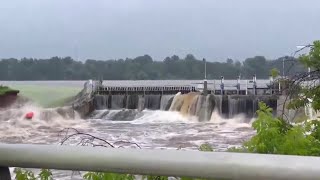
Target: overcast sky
point(104, 29)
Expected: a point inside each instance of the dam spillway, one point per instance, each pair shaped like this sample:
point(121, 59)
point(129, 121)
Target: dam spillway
point(193, 104)
point(189, 100)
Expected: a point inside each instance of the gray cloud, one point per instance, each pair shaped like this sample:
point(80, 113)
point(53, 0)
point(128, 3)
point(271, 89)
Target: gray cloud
point(104, 29)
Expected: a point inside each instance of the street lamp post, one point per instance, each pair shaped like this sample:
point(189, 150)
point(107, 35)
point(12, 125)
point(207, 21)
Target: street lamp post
point(222, 85)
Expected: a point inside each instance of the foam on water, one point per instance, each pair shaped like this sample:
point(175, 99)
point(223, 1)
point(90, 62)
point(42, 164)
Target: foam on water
point(132, 125)
point(148, 128)
point(159, 116)
point(42, 128)
point(238, 120)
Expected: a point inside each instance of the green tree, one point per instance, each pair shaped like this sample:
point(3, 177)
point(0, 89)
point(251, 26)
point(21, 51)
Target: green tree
point(256, 65)
point(312, 91)
point(274, 72)
point(141, 67)
point(229, 61)
point(276, 136)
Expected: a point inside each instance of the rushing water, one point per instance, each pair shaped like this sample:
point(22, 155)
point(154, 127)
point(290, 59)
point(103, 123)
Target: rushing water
point(147, 128)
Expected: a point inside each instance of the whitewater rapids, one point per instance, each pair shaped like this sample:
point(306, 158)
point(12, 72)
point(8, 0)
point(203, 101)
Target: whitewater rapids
point(148, 128)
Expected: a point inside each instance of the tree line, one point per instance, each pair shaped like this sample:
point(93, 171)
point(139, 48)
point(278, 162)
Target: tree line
point(143, 68)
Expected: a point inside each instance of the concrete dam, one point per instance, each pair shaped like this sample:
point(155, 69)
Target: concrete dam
point(189, 100)
point(193, 103)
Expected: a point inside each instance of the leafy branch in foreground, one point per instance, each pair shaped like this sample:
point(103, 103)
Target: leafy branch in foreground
point(23, 174)
point(309, 81)
point(277, 136)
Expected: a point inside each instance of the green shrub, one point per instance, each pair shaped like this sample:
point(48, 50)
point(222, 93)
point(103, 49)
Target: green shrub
point(23, 174)
point(6, 89)
point(107, 176)
point(205, 147)
point(276, 136)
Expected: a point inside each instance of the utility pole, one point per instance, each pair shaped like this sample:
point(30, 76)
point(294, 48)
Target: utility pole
point(309, 70)
point(205, 68)
point(282, 68)
point(205, 83)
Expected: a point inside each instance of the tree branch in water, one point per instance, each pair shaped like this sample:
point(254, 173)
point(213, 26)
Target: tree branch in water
point(88, 139)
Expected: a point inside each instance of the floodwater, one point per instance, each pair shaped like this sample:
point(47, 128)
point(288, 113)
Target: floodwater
point(146, 129)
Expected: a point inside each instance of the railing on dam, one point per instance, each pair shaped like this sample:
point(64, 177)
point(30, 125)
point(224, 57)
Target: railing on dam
point(145, 90)
point(111, 90)
point(176, 163)
point(232, 87)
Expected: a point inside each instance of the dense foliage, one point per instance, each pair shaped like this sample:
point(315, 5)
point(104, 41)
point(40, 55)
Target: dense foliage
point(310, 91)
point(276, 136)
point(23, 174)
point(142, 67)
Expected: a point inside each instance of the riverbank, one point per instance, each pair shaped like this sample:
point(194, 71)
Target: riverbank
point(46, 95)
point(7, 96)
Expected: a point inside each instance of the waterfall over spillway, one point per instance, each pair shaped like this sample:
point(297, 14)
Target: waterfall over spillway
point(118, 101)
point(176, 102)
point(187, 100)
point(166, 101)
point(141, 102)
point(101, 102)
point(243, 105)
point(190, 104)
point(152, 102)
point(132, 102)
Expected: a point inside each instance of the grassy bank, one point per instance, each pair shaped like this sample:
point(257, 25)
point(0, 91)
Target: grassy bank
point(5, 90)
point(47, 96)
